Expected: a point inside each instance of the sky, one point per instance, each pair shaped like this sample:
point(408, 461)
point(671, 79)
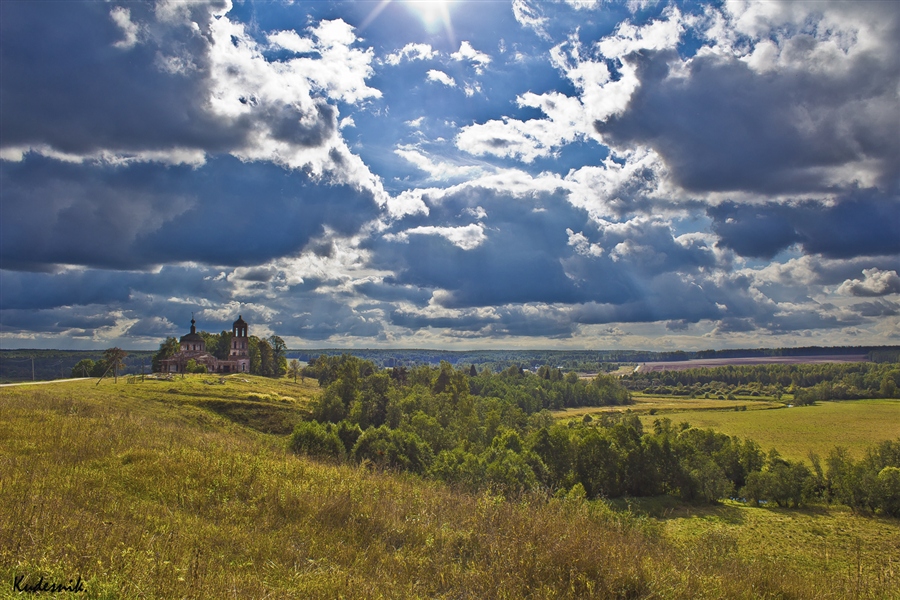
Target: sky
point(455, 175)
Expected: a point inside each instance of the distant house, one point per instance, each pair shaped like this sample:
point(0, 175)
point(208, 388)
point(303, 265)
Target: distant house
point(194, 348)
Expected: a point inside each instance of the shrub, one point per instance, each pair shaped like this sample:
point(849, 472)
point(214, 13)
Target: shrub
point(317, 440)
point(393, 448)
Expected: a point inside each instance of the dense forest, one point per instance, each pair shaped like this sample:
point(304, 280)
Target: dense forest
point(483, 430)
point(21, 365)
point(807, 383)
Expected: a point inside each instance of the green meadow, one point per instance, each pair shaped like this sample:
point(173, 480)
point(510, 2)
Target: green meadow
point(184, 488)
point(797, 431)
point(793, 431)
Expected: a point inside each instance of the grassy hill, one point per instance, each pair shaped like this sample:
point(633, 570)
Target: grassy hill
point(184, 488)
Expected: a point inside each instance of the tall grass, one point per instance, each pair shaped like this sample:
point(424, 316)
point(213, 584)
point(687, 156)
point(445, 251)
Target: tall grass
point(148, 496)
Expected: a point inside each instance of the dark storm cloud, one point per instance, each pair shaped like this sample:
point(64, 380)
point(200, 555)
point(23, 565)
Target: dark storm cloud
point(83, 319)
point(723, 127)
point(153, 327)
point(468, 323)
point(73, 288)
point(877, 308)
point(324, 317)
point(515, 321)
point(733, 325)
point(387, 292)
point(77, 92)
point(225, 213)
point(540, 249)
point(867, 224)
point(112, 86)
point(261, 274)
point(517, 263)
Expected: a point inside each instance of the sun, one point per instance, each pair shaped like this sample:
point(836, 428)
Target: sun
point(434, 14)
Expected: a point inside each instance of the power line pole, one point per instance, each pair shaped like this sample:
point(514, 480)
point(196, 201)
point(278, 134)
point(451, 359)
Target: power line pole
point(32, 368)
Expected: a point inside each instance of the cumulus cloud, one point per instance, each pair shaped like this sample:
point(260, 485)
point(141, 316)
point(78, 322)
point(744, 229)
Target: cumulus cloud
point(862, 225)
point(440, 77)
point(467, 53)
point(875, 282)
point(719, 170)
point(411, 52)
point(466, 237)
point(122, 18)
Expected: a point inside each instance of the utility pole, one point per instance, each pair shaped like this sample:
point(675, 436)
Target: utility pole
point(32, 368)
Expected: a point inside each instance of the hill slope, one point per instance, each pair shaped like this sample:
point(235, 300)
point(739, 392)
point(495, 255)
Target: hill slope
point(169, 489)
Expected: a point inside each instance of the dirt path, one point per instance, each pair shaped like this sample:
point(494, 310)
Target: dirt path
point(43, 382)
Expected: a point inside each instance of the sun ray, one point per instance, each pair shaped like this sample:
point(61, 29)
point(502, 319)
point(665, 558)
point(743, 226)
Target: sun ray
point(435, 15)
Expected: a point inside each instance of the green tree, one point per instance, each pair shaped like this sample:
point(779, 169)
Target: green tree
point(889, 491)
point(223, 350)
point(114, 358)
point(167, 349)
point(279, 358)
point(83, 368)
point(294, 369)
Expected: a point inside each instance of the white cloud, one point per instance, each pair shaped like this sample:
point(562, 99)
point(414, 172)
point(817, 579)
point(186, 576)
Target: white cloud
point(440, 77)
point(467, 53)
point(467, 237)
point(582, 245)
point(529, 15)
point(411, 52)
point(122, 17)
point(439, 170)
point(875, 282)
point(656, 35)
point(291, 40)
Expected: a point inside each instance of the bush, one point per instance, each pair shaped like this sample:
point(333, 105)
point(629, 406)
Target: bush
point(393, 448)
point(317, 440)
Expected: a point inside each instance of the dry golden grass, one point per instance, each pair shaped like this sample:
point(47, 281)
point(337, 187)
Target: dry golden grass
point(146, 491)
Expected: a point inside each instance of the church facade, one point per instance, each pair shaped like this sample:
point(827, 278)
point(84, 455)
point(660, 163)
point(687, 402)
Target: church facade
point(193, 347)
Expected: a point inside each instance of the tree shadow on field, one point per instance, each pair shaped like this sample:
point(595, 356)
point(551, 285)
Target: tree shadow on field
point(664, 508)
point(264, 418)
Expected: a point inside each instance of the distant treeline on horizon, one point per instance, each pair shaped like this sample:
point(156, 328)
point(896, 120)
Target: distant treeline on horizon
point(16, 365)
point(584, 360)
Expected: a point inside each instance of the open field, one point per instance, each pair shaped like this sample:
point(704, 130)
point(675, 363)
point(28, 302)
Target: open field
point(662, 405)
point(681, 365)
point(794, 432)
point(169, 489)
point(830, 540)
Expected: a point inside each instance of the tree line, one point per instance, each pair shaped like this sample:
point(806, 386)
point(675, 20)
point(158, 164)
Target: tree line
point(807, 382)
point(478, 430)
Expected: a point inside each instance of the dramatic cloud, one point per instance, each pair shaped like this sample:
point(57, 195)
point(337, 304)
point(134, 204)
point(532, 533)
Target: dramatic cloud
point(566, 174)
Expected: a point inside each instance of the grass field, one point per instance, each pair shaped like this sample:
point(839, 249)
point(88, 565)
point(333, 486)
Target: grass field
point(173, 489)
point(794, 432)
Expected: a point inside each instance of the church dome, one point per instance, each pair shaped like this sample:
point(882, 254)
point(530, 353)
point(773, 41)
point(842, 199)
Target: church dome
point(193, 337)
point(240, 322)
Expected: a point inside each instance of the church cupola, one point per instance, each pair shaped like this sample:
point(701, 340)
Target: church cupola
point(193, 342)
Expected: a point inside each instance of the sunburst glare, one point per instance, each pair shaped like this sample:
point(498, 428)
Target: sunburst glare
point(434, 14)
